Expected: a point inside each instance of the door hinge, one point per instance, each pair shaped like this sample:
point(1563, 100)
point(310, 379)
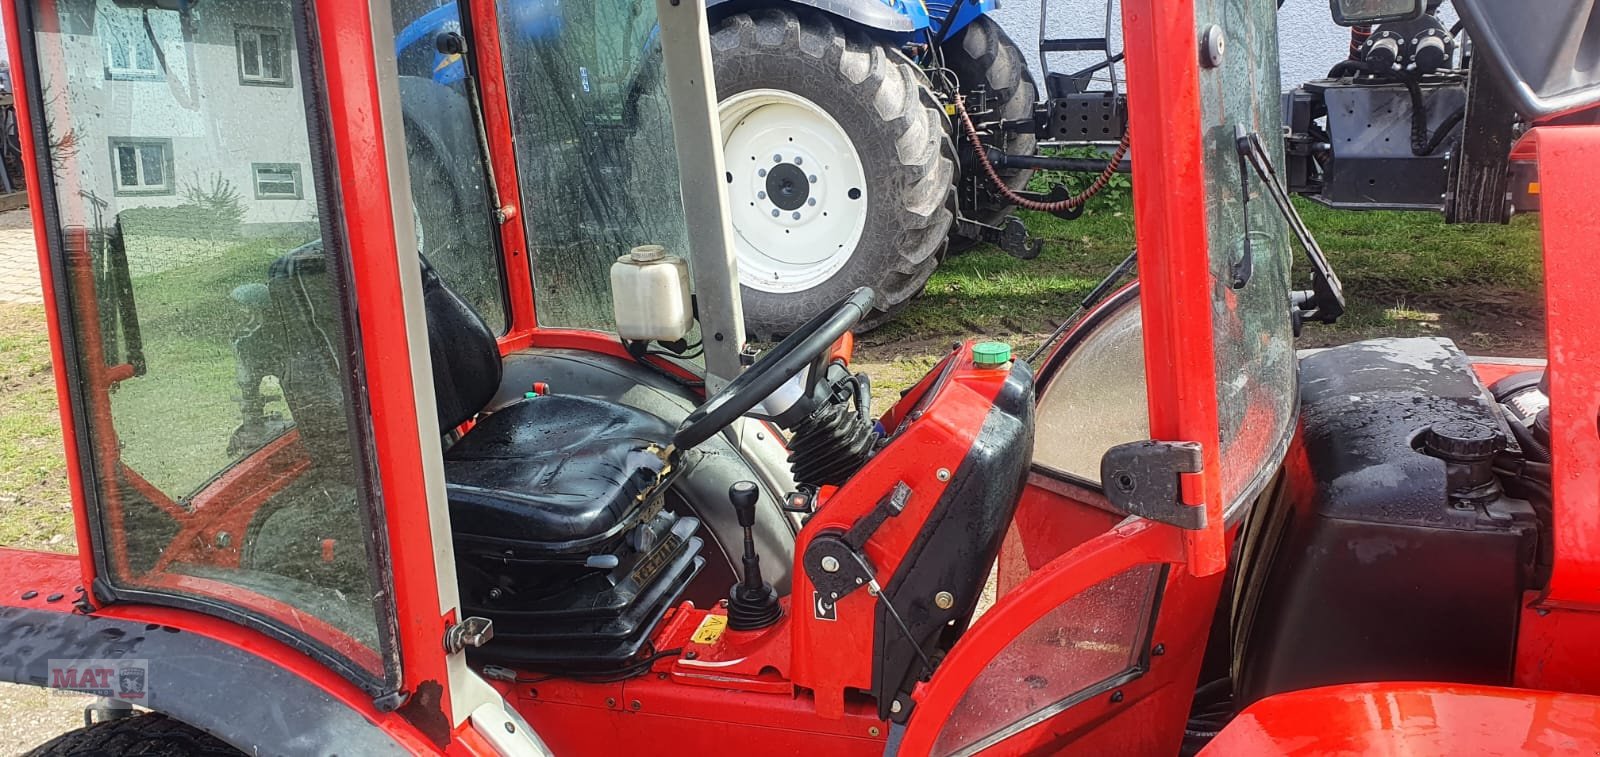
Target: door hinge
point(472, 632)
point(1146, 479)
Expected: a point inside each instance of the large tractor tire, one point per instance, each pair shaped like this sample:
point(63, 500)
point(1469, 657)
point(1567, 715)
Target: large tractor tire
point(148, 735)
point(982, 55)
point(841, 172)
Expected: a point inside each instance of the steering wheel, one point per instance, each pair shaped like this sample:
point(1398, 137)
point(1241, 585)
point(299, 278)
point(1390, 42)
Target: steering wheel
point(807, 345)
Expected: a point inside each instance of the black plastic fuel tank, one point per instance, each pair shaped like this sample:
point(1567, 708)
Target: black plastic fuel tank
point(1393, 553)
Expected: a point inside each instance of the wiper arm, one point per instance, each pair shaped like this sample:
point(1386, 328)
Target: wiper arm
point(1324, 302)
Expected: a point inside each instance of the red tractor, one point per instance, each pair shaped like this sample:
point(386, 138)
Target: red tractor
point(411, 417)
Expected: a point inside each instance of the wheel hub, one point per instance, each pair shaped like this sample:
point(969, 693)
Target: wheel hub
point(797, 190)
point(787, 186)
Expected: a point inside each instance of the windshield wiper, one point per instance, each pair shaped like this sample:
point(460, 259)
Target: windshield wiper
point(1324, 302)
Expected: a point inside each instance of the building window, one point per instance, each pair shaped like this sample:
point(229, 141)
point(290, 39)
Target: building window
point(142, 166)
point(276, 181)
point(129, 53)
point(262, 61)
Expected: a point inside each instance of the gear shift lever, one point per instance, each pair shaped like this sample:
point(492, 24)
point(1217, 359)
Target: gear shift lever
point(753, 603)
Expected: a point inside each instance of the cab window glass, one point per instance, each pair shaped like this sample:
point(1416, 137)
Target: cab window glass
point(453, 207)
point(595, 151)
point(212, 365)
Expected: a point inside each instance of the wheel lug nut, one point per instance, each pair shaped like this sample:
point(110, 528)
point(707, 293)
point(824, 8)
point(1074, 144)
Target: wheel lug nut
point(797, 216)
point(774, 212)
point(761, 195)
point(811, 201)
point(797, 160)
point(777, 158)
point(761, 172)
point(813, 178)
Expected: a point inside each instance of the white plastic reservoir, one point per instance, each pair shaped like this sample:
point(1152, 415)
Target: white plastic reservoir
point(650, 295)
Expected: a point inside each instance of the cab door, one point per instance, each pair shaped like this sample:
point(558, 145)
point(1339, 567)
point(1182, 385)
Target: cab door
point(1112, 570)
point(240, 334)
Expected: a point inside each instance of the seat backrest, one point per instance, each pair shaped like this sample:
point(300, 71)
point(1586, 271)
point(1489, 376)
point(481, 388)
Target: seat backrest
point(464, 351)
point(466, 355)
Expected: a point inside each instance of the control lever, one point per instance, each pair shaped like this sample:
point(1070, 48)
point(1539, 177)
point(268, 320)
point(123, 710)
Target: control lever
point(753, 603)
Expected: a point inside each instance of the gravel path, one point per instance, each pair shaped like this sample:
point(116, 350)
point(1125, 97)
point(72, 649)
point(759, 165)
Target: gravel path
point(30, 716)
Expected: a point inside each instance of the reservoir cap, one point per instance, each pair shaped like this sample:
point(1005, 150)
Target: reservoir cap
point(991, 354)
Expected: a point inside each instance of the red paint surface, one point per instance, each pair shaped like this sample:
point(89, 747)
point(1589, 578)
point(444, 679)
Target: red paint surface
point(354, 115)
point(1169, 199)
point(1414, 719)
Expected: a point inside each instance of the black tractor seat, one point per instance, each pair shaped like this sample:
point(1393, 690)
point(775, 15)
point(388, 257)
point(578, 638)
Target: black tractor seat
point(557, 474)
point(556, 501)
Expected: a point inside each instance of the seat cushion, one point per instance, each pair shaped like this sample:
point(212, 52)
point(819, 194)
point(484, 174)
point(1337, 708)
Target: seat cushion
point(553, 474)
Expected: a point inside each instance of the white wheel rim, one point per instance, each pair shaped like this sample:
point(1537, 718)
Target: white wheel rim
point(790, 236)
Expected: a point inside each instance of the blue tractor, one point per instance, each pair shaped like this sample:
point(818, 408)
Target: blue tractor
point(846, 167)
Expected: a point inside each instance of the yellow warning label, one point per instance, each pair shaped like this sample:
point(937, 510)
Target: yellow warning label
point(710, 629)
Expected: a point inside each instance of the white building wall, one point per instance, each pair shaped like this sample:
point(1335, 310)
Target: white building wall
point(1309, 42)
point(218, 126)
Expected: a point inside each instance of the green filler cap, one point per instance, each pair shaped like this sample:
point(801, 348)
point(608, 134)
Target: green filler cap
point(991, 354)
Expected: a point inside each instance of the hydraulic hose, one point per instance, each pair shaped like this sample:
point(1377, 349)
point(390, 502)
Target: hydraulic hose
point(1011, 195)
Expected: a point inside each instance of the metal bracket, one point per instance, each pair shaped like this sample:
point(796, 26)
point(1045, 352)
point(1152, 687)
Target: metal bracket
point(472, 632)
point(836, 563)
point(1144, 479)
point(1011, 236)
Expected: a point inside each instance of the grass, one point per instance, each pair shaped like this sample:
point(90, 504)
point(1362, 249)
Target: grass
point(1404, 274)
point(174, 422)
point(35, 507)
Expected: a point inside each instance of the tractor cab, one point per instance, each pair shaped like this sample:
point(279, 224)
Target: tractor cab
point(410, 410)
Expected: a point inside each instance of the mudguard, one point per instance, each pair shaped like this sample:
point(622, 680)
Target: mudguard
point(242, 696)
point(896, 16)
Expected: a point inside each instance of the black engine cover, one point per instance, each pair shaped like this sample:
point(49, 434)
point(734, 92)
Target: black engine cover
point(1368, 569)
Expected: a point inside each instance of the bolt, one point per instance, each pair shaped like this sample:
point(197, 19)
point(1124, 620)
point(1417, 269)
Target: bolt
point(611, 701)
point(56, 597)
point(761, 172)
point(1213, 44)
point(29, 594)
point(777, 158)
point(798, 160)
point(635, 705)
point(691, 655)
point(1160, 649)
point(224, 539)
point(859, 581)
point(812, 178)
point(761, 195)
point(1116, 696)
point(511, 727)
point(830, 564)
point(495, 593)
point(873, 731)
point(812, 201)
point(774, 212)
point(797, 216)
point(943, 474)
point(895, 707)
point(871, 591)
point(944, 600)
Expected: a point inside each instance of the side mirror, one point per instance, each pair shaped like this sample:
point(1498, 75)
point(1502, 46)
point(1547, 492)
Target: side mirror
point(1368, 12)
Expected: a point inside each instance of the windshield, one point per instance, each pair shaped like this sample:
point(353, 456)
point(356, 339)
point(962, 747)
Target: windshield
point(595, 152)
point(1254, 338)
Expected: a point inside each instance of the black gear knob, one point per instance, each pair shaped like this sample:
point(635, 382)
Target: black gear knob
point(753, 604)
point(743, 495)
